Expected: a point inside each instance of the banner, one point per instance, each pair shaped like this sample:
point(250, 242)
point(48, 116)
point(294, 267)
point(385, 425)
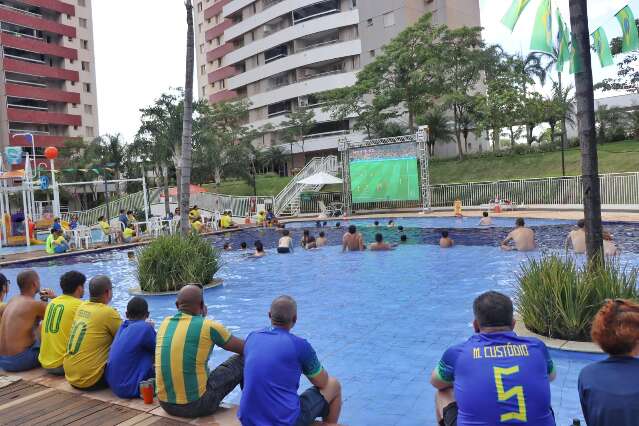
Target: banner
point(563, 44)
point(512, 16)
point(576, 59)
point(542, 32)
point(629, 27)
point(13, 155)
point(602, 47)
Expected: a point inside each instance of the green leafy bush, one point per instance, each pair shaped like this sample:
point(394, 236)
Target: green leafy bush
point(170, 262)
point(558, 299)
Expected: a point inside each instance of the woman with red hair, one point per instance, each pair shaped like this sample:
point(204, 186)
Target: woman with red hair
point(609, 389)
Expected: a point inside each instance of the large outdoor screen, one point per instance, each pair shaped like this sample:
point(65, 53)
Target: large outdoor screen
point(384, 173)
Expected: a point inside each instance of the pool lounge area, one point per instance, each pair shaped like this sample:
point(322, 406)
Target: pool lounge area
point(379, 321)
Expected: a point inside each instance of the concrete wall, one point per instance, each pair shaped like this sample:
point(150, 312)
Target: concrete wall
point(627, 102)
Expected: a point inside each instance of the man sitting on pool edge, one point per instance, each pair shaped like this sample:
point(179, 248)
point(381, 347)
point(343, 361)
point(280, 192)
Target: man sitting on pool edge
point(524, 238)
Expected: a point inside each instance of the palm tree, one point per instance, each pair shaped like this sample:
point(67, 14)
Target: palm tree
point(187, 127)
point(529, 68)
point(439, 128)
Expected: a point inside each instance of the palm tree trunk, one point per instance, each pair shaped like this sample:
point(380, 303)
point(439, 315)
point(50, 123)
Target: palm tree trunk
point(460, 154)
point(587, 132)
point(187, 127)
point(496, 133)
point(563, 128)
point(165, 184)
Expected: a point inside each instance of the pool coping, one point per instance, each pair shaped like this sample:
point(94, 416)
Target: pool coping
point(559, 344)
point(137, 291)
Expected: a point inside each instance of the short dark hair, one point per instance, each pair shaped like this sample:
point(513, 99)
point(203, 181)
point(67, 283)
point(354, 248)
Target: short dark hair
point(324, 223)
point(322, 234)
point(403, 237)
point(259, 246)
point(101, 218)
point(391, 221)
point(286, 232)
point(226, 245)
point(485, 214)
point(338, 224)
point(493, 309)
point(318, 223)
point(99, 285)
point(70, 281)
point(137, 308)
point(445, 234)
point(243, 244)
point(129, 212)
point(352, 229)
point(379, 238)
point(25, 278)
point(376, 223)
point(306, 232)
point(581, 223)
point(400, 228)
point(520, 221)
point(4, 283)
point(121, 210)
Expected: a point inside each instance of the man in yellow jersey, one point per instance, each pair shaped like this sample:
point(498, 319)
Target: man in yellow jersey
point(58, 318)
point(184, 344)
point(92, 333)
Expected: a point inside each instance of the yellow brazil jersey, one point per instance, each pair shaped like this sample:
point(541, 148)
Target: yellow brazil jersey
point(106, 228)
point(183, 347)
point(197, 226)
point(128, 233)
point(56, 327)
point(226, 221)
point(92, 333)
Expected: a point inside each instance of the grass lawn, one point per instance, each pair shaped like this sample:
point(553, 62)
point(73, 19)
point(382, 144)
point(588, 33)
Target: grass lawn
point(613, 157)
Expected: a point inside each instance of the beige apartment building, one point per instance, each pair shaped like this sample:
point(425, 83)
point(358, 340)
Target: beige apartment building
point(279, 54)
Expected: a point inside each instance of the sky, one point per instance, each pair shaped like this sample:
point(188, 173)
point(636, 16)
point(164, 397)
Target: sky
point(140, 47)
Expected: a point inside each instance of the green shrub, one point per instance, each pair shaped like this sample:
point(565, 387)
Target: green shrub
point(170, 262)
point(558, 299)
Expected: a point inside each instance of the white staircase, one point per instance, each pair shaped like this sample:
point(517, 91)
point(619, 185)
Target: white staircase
point(287, 202)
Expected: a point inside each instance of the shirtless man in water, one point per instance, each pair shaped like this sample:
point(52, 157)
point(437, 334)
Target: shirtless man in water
point(379, 244)
point(578, 238)
point(352, 240)
point(20, 324)
point(524, 238)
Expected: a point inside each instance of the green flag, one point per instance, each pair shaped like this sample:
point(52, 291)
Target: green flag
point(629, 27)
point(602, 47)
point(542, 32)
point(563, 45)
point(576, 59)
point(512, 16)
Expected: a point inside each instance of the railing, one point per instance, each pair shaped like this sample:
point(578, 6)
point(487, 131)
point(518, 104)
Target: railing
point(239, 206)
point(129, 202)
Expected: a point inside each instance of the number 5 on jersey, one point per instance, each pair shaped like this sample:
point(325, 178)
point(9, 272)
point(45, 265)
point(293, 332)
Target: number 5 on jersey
point(514, 392)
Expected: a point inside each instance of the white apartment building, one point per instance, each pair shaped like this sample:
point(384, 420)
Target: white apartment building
point(279, 54)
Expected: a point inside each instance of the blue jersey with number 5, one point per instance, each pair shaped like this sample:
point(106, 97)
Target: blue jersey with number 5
point(500, 378)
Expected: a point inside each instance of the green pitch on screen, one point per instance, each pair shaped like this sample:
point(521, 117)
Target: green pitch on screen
point(384, 180)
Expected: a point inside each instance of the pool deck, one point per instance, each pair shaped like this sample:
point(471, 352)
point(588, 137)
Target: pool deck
point(37, 398)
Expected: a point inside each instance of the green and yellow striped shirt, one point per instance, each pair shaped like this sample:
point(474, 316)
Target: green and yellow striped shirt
point(184, 345)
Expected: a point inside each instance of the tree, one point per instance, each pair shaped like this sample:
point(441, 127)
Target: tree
point(616, 44)
point(461, 64)
point(611, 123)
point(297, 125)
point(587, 132)
point(274, 158)
point(627, 76)
point(187, 128)
point(439, 128)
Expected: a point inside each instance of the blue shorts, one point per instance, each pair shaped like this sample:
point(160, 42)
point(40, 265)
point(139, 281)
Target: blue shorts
point(312, 406)
point(62, 248)
point(27, 360)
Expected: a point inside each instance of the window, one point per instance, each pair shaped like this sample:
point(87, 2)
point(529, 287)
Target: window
point(369, 22)
point(202, 69)
point(219, 63)
point(89, 132)
point(199, 27)
point(279, 108)
point(218, 41)
point(222, 84)
point(82, 22)
point(86, 87)
point(88, 109)
point(315, 10)
point(372, 53)
point(201, 48)
point(275, 53)
point(86, 66)
point(82, 3)
point(199, 7)
point(389, 19)
point(84, 44)
point(70, 39)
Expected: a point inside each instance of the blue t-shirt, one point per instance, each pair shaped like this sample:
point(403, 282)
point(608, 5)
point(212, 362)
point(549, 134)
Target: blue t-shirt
point(499, 378)
point(124, 219)
point(57, 226)
point(131, 358)
point(274, 360)
point(609, 392)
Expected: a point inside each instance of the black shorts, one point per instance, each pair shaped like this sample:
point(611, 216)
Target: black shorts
point(450, 415)
point(283, 250)
point(312, 406)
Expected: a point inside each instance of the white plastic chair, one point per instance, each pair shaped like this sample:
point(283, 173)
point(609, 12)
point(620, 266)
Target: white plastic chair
point(83, 237)
point(325, 211)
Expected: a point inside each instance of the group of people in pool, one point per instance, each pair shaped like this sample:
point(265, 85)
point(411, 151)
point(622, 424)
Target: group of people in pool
point(93, 348)
point(493, 377)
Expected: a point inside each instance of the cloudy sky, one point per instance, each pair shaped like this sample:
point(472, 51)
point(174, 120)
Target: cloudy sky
point(140, 46)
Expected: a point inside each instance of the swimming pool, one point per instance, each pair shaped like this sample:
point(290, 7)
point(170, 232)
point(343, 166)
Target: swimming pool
point(379, 321)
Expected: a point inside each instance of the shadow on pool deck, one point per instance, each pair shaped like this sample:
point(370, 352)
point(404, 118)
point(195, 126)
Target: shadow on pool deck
point(58, 403)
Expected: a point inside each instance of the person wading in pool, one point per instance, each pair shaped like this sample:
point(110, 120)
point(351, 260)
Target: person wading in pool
point(379, 244)
point(485, 220)
point(19, 326)
point(495, 377)
point(274, 361)
point(445, 241)
point(577, 237)
point(524, 238)
point(353, 240)
point(285, 244)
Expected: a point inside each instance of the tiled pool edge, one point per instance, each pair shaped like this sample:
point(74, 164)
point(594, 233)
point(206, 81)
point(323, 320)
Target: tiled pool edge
point(559, 344)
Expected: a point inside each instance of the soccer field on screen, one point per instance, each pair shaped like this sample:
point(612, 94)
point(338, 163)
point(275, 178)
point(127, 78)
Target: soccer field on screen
point(384, 180)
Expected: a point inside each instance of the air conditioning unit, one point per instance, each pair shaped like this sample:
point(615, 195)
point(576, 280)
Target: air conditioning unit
point(303, 101)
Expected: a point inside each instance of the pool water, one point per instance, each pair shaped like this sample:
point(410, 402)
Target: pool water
point(379, 321)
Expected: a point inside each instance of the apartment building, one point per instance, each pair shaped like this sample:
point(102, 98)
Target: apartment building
point(279, 54)
point(47, 73)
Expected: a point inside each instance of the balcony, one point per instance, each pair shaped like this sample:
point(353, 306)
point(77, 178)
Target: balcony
point(40, 140)
point(312, 55)
point(219, 52)
point(22, 67)
point(44, 94)
point(210, 12)
point(36, 46)
point(224, 95)
point(315, 10)
point(324, 23)
point(217, 30)
point(17, 18)
point(222, 73)
point(43, 117)
point(54, 5)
